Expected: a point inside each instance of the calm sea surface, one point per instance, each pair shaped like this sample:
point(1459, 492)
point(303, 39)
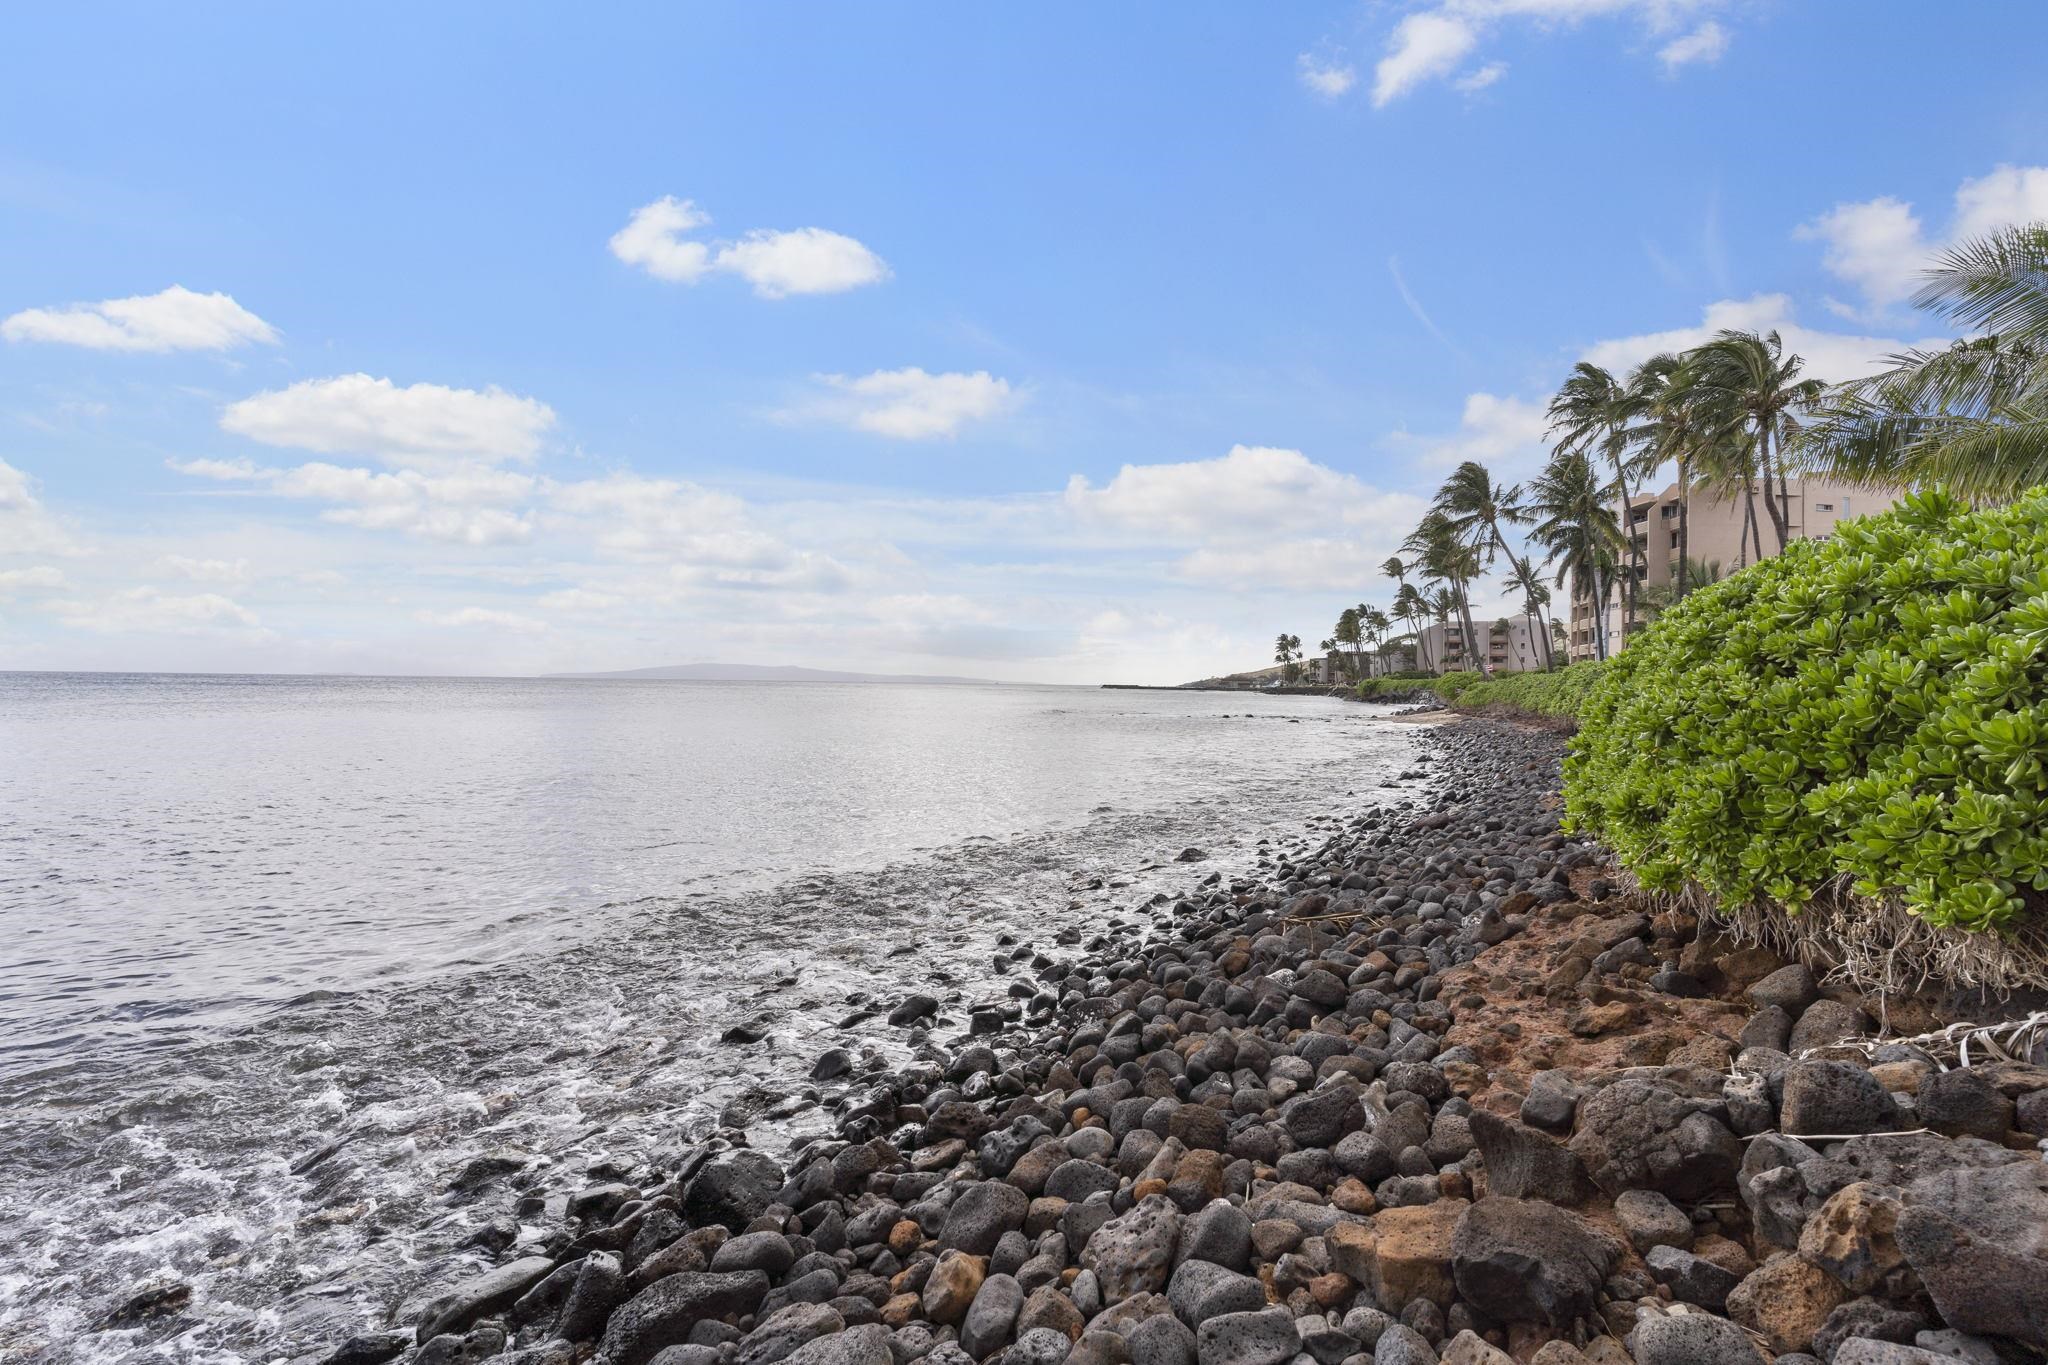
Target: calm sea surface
point(249, 919)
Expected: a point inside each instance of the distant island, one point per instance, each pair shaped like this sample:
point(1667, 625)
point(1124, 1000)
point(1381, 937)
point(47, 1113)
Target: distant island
point(773, 673)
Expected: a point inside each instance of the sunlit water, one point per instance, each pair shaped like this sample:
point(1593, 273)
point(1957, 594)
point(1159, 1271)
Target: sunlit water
point(403, 921)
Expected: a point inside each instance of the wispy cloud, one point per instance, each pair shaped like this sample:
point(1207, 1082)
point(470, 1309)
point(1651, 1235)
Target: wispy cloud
point(808, 260)
point(908, 404)
point(1706, 44)
point(1415, 307)
point(1330, 77)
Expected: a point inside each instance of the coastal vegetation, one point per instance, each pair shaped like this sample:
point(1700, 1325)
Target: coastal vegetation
point(1857, 724)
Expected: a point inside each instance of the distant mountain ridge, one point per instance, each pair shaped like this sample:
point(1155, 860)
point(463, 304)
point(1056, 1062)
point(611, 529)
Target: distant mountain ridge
point(774, 673)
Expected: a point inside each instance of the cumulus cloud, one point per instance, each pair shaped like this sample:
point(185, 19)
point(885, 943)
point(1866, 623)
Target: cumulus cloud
point(1504, 434)
point(1881, 248)
point(1248, 514)
point(1424, 47)
point(459, 504)
point(908, 404)
point(418, 424)
point(177, 319)
point(1325, 76)
point(1832, 356)
point(809, 260)
point(1708, 43)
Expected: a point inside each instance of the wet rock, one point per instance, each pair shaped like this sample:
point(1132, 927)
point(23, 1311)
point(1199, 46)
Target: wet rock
point(1785, 1301)
point(369, 1348)
point(1527, 1261)
point(1266, 1337)
point(489, 1292)
point(914, 1008)
point(732, 1189)
point(599, 1287)
point(664, 1313)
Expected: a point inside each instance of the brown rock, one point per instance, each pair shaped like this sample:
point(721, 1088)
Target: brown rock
point(1785, 1301)
point(1590, 1021)
point(904, 1237)
point(1403, 1255)
point(900, 1311)
point(1851, 1237)
point(1197, 1179)
point(1351, 1195)
point(1145, 1189)
point(954, 1282)
point(1331, 1290)
point(1730, 1256)
point(1048, 1307)
point(1902, 1078)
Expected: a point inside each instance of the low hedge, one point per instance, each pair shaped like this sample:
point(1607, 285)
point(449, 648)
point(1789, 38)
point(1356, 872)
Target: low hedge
point(1558, 695)
point(1864, 718)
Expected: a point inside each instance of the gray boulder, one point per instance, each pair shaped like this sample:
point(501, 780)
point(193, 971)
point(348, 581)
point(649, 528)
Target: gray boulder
point(1266, 1337)
point(1133, 1253)
point(1526, 1261)
point(992, 1316)
point(1834, 1099)
point(487, 1293)
point(1691, 1339)
point(663, 1313)
point(1200, 1290)
point(980, 1215)
point(867, 1344)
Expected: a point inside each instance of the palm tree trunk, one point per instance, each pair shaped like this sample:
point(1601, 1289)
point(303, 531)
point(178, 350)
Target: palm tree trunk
point(1779, 516)
point(1472, 652)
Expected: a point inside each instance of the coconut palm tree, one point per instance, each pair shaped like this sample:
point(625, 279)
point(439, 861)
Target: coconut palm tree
point(1446, 559)
point(1746, 381)
point(1594, 413)
point(1578, 532)
point(1973, 415)
point(1673, 432)
point(1412, 612)
point(1286, 650)
point(1349, 631)
point(1477, 508)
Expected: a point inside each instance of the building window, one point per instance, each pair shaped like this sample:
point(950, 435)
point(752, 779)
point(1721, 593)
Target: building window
point(1674, 540)
point(1823, 507)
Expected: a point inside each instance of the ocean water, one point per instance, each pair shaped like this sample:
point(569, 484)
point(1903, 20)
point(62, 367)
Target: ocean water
point(281, 955)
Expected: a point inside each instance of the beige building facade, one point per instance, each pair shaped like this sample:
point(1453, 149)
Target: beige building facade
point(1715, 536)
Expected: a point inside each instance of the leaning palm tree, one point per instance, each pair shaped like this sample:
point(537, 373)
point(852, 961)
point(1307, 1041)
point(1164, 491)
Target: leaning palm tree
point(1673, 432)
point(1477, 508)
point(1446, 560)
point(1412, 611)
point(1349, 631)
point(1594, 413)
point(1578, 532)
point(1973, 415)
point(1747, 381)
point(1286, 650)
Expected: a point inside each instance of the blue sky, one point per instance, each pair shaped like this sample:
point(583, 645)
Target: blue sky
point(1068, 342)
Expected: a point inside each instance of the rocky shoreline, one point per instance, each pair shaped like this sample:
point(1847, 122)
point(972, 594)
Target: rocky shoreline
point(1433, 1090)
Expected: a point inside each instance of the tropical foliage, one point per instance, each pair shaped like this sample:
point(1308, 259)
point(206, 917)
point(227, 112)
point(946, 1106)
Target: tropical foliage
point(1868, 714)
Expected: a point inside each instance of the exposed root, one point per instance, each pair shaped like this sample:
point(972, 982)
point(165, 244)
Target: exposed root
point(1881, 948)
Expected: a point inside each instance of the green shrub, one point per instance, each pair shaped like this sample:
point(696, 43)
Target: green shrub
point(1558, 694)
point(1451, 686)
point(1869, 711)
point(1398, 688)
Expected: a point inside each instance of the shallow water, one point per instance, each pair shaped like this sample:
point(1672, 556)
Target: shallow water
point(400, 922)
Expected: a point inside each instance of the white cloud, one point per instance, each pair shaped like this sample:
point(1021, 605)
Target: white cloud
point(462, 617)
point(36, 578)
point(578, 600)
point(1707, 43)
point(26, 526)
point(1832, 356)
point(175, 320)
point(1881, 247)
point(808, 260)
point(1327, 77)
point(1260, 514)
point(150, 609)
point(1432, 44)
point(224, 470)
point(653, 240)
point(1424, 47)
point(416, 425)
point(805, 261)
point(207, 570)
point(908, 404)
point(1480, 79)
point(1504, 434)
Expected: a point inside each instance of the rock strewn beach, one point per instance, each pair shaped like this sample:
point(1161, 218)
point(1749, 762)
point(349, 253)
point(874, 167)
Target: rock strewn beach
point(1434, 1091)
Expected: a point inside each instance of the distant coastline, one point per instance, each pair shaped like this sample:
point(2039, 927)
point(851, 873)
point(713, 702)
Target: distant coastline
point(769, 673)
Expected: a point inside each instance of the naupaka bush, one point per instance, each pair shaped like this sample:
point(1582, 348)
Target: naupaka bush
point(1868, 712)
